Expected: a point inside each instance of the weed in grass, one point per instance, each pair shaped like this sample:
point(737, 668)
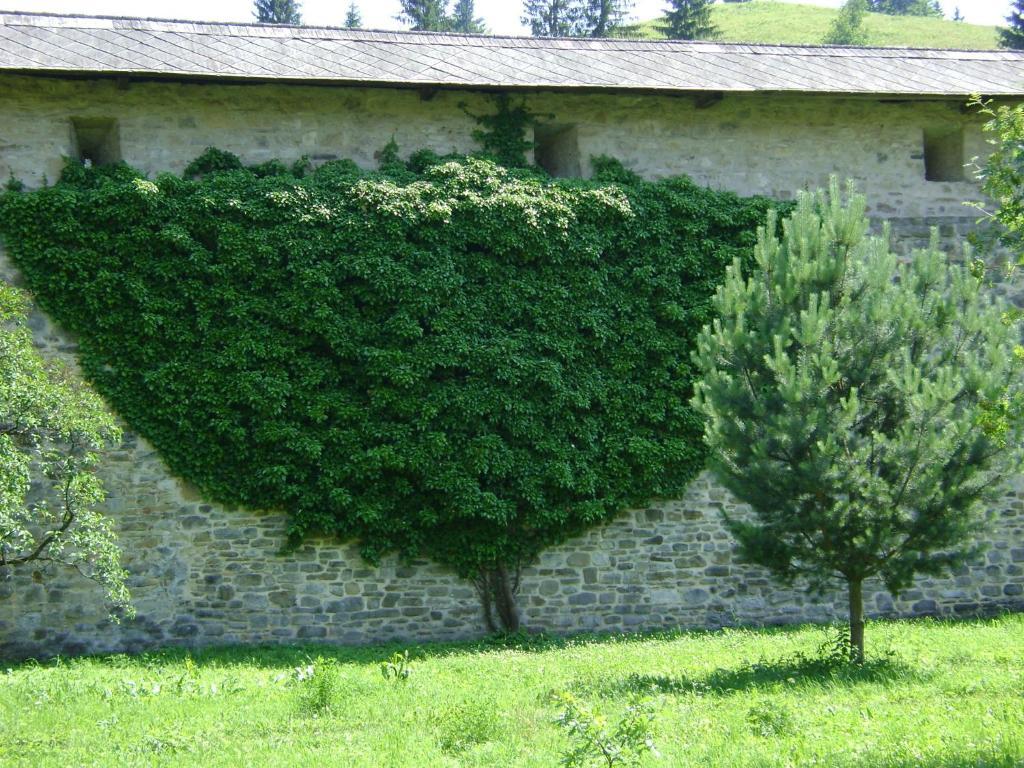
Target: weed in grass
point(836, 653)
point(596, 743)
point(188, 681)
point(985, 756)
point(459, 727)
point(23, 747)
point(318, 686)
point(136, 690)
point(768, 719)
point(636, 684)
point(397, 668)
point(161, 745)
point(835, 649)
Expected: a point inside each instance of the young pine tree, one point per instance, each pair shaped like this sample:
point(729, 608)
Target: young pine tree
point(1012, 36)
point(425, 15)
point(353, 19)
point(277, 12)
point(848, 25)
point(689, 20)
point(465, 20)
point(865, 409)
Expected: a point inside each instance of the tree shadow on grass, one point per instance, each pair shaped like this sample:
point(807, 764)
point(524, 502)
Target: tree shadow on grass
point(795, 671)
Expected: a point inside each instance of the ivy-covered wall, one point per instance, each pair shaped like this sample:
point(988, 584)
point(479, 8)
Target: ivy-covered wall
point(446, 358)
point(204, 573)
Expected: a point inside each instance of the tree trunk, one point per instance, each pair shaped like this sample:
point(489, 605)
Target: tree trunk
point(856, 621)
point(497, 592)
point(483, 591)
point(505, 599)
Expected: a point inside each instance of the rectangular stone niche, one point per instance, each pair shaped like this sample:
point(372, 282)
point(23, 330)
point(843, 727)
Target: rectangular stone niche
point(557, 150)
point(944, 153)
point(96, 139)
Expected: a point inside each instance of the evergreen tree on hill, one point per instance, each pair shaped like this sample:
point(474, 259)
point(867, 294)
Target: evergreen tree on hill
point(1012, 36)
point(574, 18)
point(553, 18)
point(465, 20)
point(353, 19)
point(425, 15)
point(277, 12)
point(907, 7)
point(848, 26)
point(604, 17)
point(689, 20)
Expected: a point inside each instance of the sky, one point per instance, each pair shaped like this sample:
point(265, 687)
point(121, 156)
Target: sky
point(502, 16)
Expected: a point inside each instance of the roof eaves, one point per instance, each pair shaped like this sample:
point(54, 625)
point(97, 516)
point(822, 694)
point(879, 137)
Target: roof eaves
point(529, 87)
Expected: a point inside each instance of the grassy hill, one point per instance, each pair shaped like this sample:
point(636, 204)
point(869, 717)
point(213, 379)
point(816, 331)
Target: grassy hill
point(765, 21)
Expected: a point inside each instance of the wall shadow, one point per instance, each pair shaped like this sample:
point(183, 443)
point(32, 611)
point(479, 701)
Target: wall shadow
point(276, 656)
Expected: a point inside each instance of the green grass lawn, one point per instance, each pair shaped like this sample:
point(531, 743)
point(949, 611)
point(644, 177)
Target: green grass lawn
point(935, 695)
point(763, 21)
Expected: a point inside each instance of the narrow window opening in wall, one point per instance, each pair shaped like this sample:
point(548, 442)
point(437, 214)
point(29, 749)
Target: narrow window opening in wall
point(944, 154)
point(96, 139)
point(557, 150)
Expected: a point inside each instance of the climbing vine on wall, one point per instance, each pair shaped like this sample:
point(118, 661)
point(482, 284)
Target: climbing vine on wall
point(448, 359)
point(502, 133)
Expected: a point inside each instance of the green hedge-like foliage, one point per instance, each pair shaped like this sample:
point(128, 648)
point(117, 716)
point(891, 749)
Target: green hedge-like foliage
point(443, 359)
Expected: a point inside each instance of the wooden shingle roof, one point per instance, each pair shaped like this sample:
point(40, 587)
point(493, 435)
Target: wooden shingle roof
point(55, 44)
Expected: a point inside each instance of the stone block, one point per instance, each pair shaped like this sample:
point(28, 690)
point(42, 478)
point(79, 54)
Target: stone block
point(692, 597)
point(281, 598)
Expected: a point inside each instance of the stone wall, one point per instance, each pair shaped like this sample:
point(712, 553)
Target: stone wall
point(202, 574)
point(768, 144)
point(205, 574)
